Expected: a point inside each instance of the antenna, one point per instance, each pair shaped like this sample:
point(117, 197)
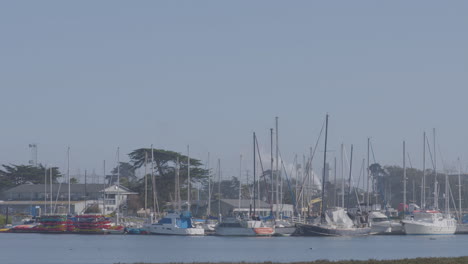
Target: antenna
point(33, 150)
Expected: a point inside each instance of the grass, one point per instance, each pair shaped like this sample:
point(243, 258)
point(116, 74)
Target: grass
point(458, 260)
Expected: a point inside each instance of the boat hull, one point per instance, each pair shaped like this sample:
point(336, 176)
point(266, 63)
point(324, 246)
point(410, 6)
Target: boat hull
point(161, 230)
point(318, 230)
point(244, 231)
point(418, 228)
point(284, 231)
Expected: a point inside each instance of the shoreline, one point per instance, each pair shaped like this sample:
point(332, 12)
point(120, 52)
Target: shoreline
point(448, 260)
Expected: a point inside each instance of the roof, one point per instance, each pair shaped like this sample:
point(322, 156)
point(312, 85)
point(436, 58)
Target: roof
point(245, 203)
point(74, 188)
point(40, 202)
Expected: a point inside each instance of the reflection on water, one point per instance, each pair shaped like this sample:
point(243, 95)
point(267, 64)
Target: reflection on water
point(87, 249)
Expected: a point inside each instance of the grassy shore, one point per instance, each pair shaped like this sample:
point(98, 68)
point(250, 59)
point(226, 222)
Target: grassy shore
point(459, 260)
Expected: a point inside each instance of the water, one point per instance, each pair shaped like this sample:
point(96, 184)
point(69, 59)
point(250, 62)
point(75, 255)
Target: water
point(103, 249)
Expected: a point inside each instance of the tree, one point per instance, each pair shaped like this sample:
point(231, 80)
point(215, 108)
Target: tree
point(73, 180)
point(14, 175)
point(126, 171)
point(164, 172)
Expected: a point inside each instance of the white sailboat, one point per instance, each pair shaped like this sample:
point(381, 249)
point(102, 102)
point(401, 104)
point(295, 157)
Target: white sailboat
point(432, 222)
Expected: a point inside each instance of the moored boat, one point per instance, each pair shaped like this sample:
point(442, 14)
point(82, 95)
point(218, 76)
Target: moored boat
point(429, 223)
point(232, 226)
point(176, 224)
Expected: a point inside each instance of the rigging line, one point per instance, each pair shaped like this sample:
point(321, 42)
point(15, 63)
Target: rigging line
point(430, 153)
point(309, 162)
point(453, 200)
point(372, 150)
point(263, 172)
point(287, 179)
point(409, 160)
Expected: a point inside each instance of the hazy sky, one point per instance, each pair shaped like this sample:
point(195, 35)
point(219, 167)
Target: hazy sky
point(94, 75)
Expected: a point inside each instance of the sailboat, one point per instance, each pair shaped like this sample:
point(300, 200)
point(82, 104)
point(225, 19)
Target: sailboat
point(332, 221)
point(432, 222)
point(237, 226)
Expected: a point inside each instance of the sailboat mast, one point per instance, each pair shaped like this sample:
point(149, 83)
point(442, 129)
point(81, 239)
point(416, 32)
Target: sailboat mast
point(51, 191)
point(45, 189)
point(118, 185)
point(68, 177)
point(146, 181)
point(404, 178)
point(334, 182)
point(459, 193)
point(423, 191)
point(240, 182)
point(368, 175)
point(322, 204)
point(436, 192)
point(276, 168)
point(104, 185)
point(342, 176)
point(176, 185)
point(219, 188)
point(350, 174)
point(188, 178)
point(271, 170)
point(254, 173)
point(209, 186)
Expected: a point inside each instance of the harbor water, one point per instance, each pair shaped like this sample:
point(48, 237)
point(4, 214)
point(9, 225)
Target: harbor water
point(103, 249)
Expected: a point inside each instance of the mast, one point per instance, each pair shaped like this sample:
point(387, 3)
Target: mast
point(118, 185)
point(85, 188)
point(271, 170)
point(153, 189)
point(276, 169)
point(45, 189)
point(188, 179)
point(240, 182)
point(423, 191)
point(51, 191)
point(459, 193)
point(404, 178)
point(334, 182)
point(350, 173)
point(146, 181)
point(176, 186)
point(104, 193)
point(368, 175)
point(209, 186)
point(436, 192)
point(254, 172)
point(219, 189)
point(69, 183)
point(342, 176)
point(322, 204)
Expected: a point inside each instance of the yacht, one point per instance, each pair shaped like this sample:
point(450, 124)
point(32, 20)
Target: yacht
point(175, 223)
point(429, 223)
point(232, 226)
point(380, 223)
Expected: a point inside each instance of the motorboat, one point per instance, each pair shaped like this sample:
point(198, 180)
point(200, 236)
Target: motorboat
point(233, 226)
point(429, 222)
point(175, 223)
point(379, 223)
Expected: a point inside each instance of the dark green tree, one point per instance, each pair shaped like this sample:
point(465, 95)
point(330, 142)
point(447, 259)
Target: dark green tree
point(14, 175)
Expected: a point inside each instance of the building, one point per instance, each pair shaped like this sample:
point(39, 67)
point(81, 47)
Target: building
point(35, 199)
point(232, 206)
